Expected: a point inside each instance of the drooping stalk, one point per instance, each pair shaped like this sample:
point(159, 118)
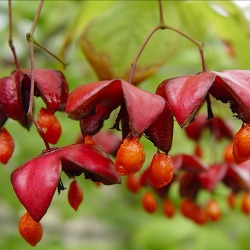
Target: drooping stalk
point(12, 47)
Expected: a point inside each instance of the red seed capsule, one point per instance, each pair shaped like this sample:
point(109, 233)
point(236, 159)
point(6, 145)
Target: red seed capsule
point(75, 195)
point(30, 230)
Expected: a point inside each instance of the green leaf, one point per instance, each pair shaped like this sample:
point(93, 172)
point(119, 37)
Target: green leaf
point(221, 19)
point(112, 41)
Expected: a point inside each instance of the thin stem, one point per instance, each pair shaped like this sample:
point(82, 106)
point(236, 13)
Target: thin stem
point(49, 52)
point(33, 27)
point(12, 47)
point(132, 72)
point(162, 26)
point(32, 84)
point(30, 36)
point(32, 63)
point(39, 130)
point(198, 44)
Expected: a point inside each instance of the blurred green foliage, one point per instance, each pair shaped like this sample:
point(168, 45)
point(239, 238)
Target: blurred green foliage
point(111, 217)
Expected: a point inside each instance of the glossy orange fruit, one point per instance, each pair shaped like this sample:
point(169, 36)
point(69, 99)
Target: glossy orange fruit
point(228, 153)
point(161, 170)
point(133, 183)
point(231, 200)
point(50, 125)
point(245, 203)
point(7, 146)
point(168, 208)
point(30, 230)
point(241, 144)
point(212, 210)
point(75, 195)
point(130, 156)
point(149, 202)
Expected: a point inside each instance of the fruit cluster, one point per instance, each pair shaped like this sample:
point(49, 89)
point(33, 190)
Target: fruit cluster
point(92, 104)
point(141, 113)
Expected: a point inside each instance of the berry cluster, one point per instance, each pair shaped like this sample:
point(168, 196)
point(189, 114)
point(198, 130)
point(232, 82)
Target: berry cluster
point(105, 158)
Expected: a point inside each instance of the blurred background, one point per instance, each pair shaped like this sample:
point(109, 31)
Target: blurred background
point(111, 217)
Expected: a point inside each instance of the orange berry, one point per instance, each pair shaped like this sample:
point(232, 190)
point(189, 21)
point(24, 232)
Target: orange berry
point(7, 146)
point(161, 170)
point(245, 204)
point(50, 126)
point(186, 207)
point(89, 140)
point(149, 202)
point(231, 200)
point(30, 230)
point(97, 183)
point(199, 216)
point(212, 210)
point(130, 156)
point(198, 151)
point(192, 211)
point(241, 144)
point(75, 195)
point(228, 153)
point(168, 208)
point(133, 183)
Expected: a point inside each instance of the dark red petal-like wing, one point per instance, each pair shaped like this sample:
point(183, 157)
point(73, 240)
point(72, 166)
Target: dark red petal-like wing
point(233, 86)
point(238, 177)
point(214, 174)
point(160, 132)
point(90, 160)
point(50, 85)
point(108, 141)
point(185, 95)
point(83, 100)
point(11, 101)
point(35, 183)
point(195, 128)
point(192, 164)
point(3, 118)
point(143, 107)
point(189, 185)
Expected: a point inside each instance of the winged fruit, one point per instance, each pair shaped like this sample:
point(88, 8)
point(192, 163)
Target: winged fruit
point(35, 181)
point(50, 85)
